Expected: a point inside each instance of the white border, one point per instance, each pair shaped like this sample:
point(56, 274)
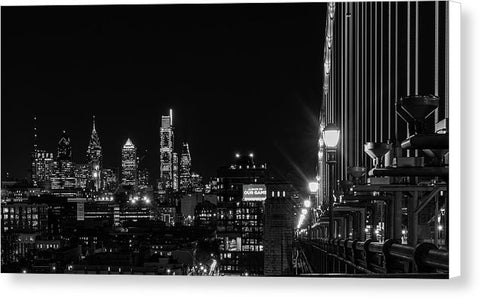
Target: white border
point(455, 195)
point(134, 286)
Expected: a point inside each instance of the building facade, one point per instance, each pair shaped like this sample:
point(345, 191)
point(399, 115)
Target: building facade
point(63, 167)
point(239, 219)
point(279, 229)
point(168, 159)
point(129, 164)
point(185, 169)
point(42, 168)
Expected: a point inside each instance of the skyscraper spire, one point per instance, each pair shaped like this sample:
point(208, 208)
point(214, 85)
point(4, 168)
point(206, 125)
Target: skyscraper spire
point(94, 157)
point(94, 139)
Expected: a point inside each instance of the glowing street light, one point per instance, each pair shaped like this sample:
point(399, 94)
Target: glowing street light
point(331, 135)
point(251, 155)
point(313, 186)
point(307, 203)
point(237, 155)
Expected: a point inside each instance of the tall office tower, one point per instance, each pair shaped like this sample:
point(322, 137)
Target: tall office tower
point(129, 164)
point(64, 173)
point(64, 148)
point(42, 168)
point(185, 169)
point(42, 161)
point(166, 154)
point(94, 158)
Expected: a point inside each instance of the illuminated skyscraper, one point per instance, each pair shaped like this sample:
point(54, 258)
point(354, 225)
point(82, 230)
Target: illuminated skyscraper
point(63, 170)
point(64, 148)
point(185, 168)
point(42, 162)
point(129, 164)
point(168, 159)
point(94, 158)
point(42, 167)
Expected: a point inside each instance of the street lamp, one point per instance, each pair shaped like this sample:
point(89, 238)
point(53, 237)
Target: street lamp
point(313, 187)
point(331, 136)
point(307, 203)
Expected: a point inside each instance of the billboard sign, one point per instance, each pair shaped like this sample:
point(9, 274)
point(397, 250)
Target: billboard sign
point(254, 192)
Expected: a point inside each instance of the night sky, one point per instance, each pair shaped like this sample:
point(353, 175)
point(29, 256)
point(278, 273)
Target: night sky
point(240, 78)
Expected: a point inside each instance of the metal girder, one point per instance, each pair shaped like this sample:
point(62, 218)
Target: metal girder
point(427, 199)
point(395, 187)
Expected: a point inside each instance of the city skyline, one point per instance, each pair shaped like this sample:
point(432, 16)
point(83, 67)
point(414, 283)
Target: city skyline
point(273, 119)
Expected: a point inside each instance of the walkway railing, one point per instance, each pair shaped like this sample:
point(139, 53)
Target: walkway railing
point(347, 257)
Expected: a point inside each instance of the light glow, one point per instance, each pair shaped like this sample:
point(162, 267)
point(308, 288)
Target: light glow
point(331, 135)
point(307, 203)
point(313, 186)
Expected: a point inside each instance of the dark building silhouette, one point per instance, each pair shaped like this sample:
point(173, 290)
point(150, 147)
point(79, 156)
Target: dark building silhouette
point(279, 229)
